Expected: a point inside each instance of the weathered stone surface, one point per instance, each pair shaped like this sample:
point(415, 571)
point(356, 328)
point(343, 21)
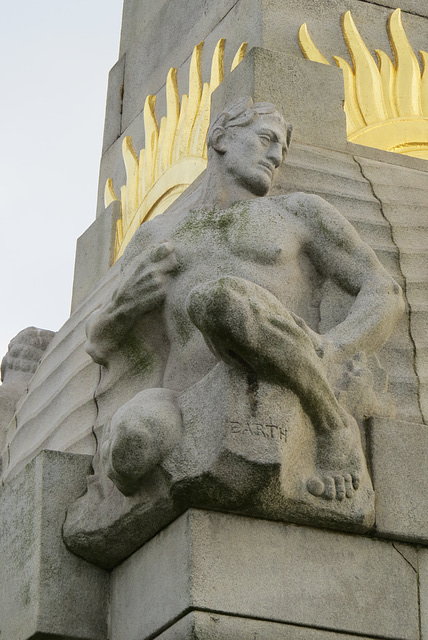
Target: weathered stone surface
point(403, 196)
point(138, 18)
point(412, 6)
point(336, 177)
point(399, 454)
point(46, 589)
point(94, 253)
point(17, 368)
point(264, 23)
point(253, 568)
point(340, 182)
point(201, 625)
point(58, 416)
point(345, 182)
point(113, 119)
point(258, 74)
point(249, 446)
point(261, 24)
point(231, 457)
point(323, 19)
point(112, 166)
point(423, 591)
point(169, 37)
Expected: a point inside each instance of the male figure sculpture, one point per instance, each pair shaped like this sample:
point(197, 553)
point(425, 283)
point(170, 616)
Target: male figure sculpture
point(233, 276)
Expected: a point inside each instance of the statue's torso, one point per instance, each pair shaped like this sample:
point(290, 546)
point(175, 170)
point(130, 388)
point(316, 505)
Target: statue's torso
point(258, 240)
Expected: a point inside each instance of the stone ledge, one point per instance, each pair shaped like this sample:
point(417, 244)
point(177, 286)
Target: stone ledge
point(210, 625)
point(284, 573)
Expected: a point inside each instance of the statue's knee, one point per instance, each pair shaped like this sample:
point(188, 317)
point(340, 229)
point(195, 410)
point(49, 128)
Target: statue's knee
point(210, 303)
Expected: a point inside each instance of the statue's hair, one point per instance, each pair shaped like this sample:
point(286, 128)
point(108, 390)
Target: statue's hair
point(26, 349)
point(241, 113)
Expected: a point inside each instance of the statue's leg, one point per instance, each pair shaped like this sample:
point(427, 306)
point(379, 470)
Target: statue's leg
point(244, 322)
point(142, 433)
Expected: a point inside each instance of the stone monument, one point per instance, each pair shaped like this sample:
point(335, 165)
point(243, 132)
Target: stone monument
point(227, 440)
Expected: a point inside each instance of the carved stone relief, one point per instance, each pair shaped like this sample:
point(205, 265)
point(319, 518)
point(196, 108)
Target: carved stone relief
point(218, 388)
point(17, 368)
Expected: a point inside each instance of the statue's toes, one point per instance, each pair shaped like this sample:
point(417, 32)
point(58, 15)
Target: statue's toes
point(355, 480)
point(329, 488)
point(349, 487)
point(324, 488)
point(315, 486)
point(337, 487)
point(339, 482)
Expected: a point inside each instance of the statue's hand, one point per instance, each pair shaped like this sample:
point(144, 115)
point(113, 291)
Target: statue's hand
point(143, 285)
point(142, 288)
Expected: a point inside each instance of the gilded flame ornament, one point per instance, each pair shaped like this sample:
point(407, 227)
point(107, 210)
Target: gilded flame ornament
point(386, 105)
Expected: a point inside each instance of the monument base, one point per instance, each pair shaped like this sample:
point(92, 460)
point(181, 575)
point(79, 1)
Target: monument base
point(213, 575)
point(208, 575)
point(204, 625)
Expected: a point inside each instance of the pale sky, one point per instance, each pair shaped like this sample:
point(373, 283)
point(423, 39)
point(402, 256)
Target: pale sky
point(55, 59)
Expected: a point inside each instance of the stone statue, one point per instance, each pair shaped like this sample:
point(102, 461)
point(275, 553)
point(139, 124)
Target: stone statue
point(17, 368)
point(217, 311)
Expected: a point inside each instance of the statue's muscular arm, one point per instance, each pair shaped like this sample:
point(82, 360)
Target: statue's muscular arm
point(338, 252)
point(142, 288)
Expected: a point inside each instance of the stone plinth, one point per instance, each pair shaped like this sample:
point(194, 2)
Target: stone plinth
point(268, 576)
point(400, 459)
point(47, 592)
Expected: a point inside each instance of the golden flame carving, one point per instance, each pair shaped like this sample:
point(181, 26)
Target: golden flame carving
point(176, 151)
point(386, 105)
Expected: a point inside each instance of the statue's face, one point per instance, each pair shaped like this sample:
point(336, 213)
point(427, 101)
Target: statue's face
point(255, 151)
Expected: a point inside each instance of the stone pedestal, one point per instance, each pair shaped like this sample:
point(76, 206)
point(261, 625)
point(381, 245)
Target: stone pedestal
point(211, 575)
point(208, 575)
point(47, 592)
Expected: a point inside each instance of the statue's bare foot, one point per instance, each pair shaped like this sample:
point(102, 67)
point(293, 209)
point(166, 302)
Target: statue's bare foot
point(334, 487)
point(142, 433)
point(340, 463)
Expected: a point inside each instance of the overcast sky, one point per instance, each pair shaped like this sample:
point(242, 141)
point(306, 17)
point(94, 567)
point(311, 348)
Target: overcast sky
point(55, 59)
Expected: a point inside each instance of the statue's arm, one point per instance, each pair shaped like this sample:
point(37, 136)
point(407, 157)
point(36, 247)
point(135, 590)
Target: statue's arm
point(339, 253)
point(141, 288)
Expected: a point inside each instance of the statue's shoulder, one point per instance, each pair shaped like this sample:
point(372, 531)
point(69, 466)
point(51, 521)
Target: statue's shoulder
point(320, 219)
point(306, 206)
point(148, 235)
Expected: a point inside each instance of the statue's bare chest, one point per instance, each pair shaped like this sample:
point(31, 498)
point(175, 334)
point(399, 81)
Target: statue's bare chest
point(249, 242)
point(242, 237)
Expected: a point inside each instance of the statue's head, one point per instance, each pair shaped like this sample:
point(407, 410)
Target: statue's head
point(25, 351)
point(250, 141)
